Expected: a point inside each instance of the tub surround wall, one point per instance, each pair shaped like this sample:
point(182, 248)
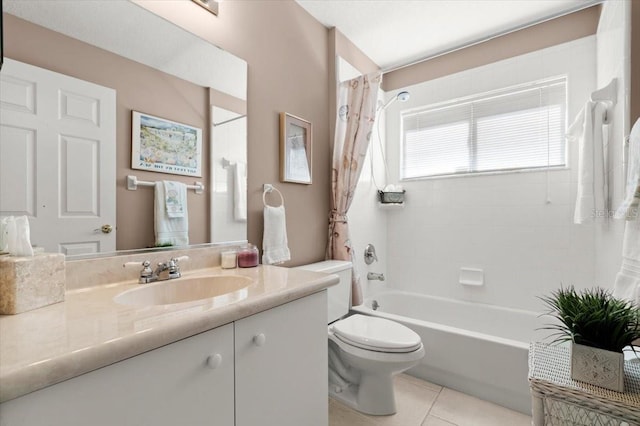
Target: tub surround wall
point(427, 234)
point(613, 61)
point(500, 223)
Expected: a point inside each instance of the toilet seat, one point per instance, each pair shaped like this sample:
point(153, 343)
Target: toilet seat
point(376, 334)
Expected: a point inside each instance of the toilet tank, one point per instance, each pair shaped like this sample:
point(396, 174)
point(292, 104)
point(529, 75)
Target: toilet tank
point(339, 295)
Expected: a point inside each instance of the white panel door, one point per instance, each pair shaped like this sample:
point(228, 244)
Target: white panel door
point(57, 157)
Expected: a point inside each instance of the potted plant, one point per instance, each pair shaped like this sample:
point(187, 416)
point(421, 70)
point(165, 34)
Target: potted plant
point(598, 326)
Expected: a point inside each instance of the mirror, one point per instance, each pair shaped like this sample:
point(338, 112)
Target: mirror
point(153, 67)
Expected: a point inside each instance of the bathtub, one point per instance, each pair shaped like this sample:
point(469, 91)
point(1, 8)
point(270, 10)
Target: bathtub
point(478, 349)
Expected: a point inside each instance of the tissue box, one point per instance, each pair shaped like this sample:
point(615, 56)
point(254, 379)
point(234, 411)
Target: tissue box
point(28, 283)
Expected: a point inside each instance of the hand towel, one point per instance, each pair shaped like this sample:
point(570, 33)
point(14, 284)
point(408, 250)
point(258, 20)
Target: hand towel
point(593, 193)
point(274, 241)
point(240, 192)
point(169, 230)
point(175, 198)
point(630, 207)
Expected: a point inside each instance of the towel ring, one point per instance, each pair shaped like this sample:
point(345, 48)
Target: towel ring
point(269, 188)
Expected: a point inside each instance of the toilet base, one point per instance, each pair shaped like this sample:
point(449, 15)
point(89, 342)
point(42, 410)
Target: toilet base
point(374, 395)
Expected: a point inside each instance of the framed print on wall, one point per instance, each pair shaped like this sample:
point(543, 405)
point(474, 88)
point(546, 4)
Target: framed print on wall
point(295, 149)
point(165, 146)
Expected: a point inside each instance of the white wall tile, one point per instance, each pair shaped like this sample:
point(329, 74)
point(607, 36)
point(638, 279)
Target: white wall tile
point(501, 223)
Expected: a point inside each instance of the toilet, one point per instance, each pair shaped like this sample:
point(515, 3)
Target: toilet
point(365, 353)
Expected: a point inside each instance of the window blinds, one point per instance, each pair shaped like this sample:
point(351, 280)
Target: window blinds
point(516, 128)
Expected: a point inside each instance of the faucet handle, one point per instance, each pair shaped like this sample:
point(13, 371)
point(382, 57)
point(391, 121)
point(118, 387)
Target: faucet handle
point(370, 254)
point(145, 274)
point(174, 268)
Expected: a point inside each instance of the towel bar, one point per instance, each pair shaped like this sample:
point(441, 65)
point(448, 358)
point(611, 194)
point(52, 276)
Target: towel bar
point(133, 183)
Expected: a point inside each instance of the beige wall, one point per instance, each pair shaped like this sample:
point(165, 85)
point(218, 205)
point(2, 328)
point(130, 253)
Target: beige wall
point(635, 61)
point(550, 33)
point(290, 70)
point(291, 59)
point(139, 88)
point(286, 50)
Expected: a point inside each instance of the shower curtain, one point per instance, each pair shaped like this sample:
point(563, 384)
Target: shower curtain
point(357, 100)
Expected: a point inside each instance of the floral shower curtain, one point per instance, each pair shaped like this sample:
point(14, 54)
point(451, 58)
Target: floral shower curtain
point(357, 101)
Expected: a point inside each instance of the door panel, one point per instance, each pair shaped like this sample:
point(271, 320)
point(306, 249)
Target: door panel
point(66, 127)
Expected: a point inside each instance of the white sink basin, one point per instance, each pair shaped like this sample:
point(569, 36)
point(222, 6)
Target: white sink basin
point(182, 290)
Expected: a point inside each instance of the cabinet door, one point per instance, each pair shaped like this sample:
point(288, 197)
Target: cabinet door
point(281, 365)
point(172, 385)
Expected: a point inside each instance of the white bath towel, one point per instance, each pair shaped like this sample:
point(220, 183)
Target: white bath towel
point(240, 192)
point(275, 247)
point(593, 191)
point(170, 230)
point(630, 207)
point(627, 284)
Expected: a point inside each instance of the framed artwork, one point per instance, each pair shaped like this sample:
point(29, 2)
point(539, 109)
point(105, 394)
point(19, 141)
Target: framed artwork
point(1, 39)
point(210, 5)
point(165, 146)
point(295, 149)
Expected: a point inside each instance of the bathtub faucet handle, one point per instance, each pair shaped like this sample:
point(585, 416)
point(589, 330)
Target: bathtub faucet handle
point(370, 254)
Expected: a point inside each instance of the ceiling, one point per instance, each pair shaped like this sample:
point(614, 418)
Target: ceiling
point(394, 33)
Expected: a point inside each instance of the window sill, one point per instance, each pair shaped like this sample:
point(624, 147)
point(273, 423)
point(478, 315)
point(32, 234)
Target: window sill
point(491, 173)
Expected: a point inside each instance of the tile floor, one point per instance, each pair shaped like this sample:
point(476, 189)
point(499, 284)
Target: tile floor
point(421, 403)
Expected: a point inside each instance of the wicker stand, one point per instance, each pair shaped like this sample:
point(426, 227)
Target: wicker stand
point(559, 400)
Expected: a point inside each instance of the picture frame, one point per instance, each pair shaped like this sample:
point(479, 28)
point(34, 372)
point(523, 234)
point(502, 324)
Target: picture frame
point(209, 5)
point(296, 140)
point(165, 146)
point(1, 39)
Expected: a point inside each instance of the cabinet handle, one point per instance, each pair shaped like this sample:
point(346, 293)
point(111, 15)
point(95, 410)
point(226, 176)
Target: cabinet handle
point(259, 339)
point(214, 361)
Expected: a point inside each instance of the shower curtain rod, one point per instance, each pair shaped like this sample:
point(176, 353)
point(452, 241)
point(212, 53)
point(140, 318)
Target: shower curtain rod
point(582, 6)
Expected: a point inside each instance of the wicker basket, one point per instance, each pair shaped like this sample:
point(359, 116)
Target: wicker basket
point(391, 197)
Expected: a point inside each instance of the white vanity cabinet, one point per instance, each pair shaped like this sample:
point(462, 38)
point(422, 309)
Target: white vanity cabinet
point(171, 385)
point(281, 365)
point(266, 369)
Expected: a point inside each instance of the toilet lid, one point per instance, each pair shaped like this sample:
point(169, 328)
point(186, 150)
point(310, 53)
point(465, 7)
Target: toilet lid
point(377, 334)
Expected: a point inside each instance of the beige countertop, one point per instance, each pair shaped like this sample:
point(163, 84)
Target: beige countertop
point(89, 330)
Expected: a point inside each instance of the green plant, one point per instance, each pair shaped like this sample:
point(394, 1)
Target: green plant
point(593, 317)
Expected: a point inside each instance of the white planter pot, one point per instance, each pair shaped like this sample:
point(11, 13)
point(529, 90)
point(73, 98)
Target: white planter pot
point(597, 367)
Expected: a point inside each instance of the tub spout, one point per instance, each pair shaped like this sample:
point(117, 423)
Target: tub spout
point(374, 276)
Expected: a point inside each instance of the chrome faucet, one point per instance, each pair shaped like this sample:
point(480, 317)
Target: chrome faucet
point(147, 275)
point(374, 276)
point(171, 266)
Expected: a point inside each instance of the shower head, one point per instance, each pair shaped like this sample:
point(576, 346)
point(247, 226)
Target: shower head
point(401, 96)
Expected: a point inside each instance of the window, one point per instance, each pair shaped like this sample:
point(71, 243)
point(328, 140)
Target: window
point(515, 128)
